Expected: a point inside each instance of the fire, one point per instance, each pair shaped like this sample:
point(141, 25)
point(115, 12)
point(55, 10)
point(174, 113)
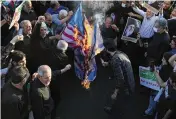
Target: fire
point(85, 83)
point(88, 36)
point(85, 43)
point(77, 37)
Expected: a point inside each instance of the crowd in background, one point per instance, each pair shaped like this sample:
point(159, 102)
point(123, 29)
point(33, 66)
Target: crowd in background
point(33, 53)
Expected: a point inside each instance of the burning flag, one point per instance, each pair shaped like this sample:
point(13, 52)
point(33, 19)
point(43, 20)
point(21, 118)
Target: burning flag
point(17, 14)
point(86, 42)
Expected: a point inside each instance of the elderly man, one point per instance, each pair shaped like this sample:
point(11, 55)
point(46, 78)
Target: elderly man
point(167, 8)
point(27, 13)
point(146, 31)
point(160, 42)
point(25, 44)
point(14, 101)
point(26, 31)
point(41, 100)
point(55, 7)
point(109, 32)
point(61, 19)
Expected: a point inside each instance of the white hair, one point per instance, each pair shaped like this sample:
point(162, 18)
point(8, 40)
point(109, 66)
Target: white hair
point(63, 14)
point(43, 69)
point(62, 45)
point(24, 22)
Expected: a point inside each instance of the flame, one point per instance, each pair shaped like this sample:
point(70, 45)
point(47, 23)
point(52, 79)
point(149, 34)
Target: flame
point(85, 83)
point(77, 37)
point(85, 43)
point(89, 34)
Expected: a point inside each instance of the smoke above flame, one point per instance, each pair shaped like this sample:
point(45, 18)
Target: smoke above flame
point(98, 8)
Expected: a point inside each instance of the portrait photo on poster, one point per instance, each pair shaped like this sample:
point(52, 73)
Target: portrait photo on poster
point(131, 30)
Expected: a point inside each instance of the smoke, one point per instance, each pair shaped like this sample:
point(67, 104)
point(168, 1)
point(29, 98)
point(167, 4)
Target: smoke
point(100, 5)
point(99, 9)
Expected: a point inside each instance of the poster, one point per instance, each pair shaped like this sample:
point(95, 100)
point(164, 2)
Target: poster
point(131, 30)
point(147, 78)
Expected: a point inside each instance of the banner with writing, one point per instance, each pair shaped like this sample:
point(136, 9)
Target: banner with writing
point(147, 78)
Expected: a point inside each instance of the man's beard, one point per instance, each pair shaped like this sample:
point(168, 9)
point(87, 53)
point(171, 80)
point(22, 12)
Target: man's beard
point(26, 9)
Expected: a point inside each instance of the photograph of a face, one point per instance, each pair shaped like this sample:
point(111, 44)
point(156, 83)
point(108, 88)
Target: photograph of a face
point(131, 30)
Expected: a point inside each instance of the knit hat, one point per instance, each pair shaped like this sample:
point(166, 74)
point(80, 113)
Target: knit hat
point(62, 45)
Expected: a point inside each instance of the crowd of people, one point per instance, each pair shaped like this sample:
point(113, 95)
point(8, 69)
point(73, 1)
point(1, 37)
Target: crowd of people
point(33, 55)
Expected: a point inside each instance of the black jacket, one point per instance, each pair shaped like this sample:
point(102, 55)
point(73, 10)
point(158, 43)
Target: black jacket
point(172, 27)
point(44, 50)
point(13, 103)
point(41, 100)
point(28, 16)
point(158, 46)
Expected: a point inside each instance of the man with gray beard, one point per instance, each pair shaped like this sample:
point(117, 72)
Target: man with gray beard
point(28, 13)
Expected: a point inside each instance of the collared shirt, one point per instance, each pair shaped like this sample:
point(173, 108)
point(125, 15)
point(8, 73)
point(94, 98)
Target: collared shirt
point(13, 102)
point(146, 30)
point(51, 11)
